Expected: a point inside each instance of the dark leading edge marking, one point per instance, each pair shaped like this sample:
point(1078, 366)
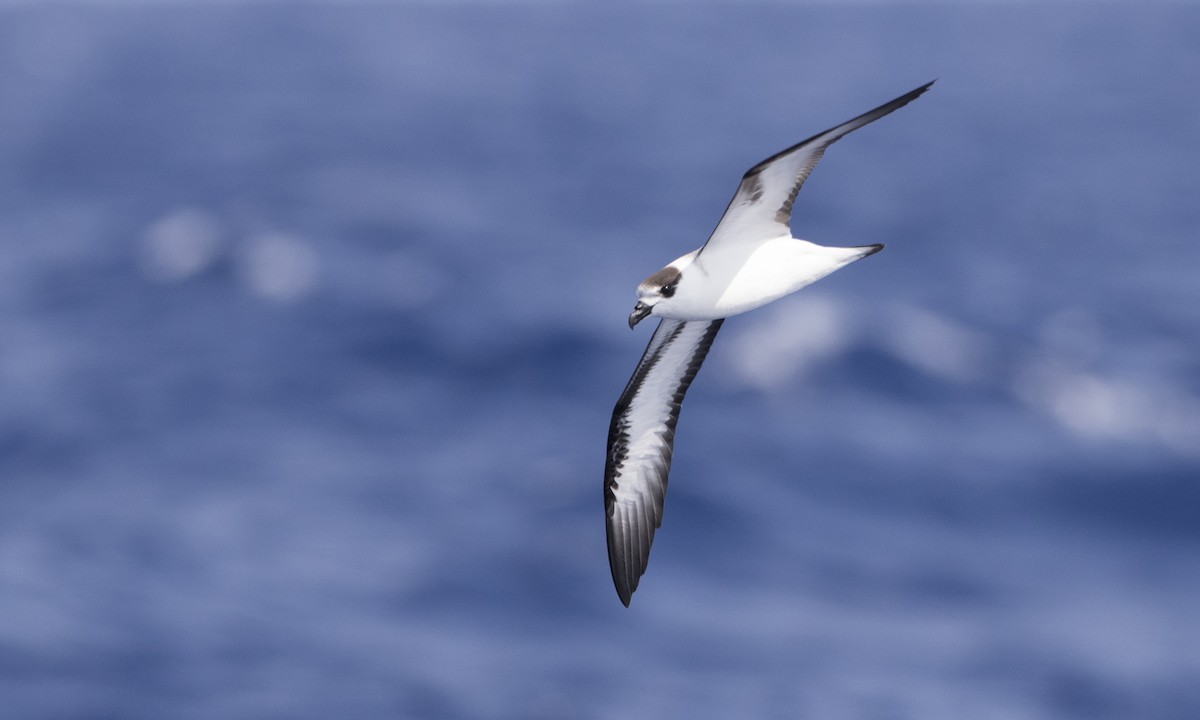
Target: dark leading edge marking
point(648, 410)
point(822, 141)
point(866, 118)
point(796, 162)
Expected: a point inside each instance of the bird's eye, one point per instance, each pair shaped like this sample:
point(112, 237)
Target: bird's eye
point(667, 290)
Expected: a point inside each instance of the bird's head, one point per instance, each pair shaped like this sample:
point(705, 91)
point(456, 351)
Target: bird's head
point(656, 291)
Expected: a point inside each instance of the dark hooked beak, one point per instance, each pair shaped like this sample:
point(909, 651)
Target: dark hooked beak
point(640, 311)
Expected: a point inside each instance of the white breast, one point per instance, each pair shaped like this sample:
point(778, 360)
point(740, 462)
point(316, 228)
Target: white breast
point(733, 279)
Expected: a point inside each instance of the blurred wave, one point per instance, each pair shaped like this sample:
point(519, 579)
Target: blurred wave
point(312, 320)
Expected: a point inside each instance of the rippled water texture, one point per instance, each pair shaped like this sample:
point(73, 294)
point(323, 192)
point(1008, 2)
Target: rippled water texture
point(312, 318)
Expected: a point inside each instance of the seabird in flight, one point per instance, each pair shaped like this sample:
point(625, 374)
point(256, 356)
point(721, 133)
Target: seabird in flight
point(750, 259)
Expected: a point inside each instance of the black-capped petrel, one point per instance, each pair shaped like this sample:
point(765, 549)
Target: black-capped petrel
point(749, 260)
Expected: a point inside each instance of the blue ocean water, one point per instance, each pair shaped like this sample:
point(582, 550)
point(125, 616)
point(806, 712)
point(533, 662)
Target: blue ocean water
point(312, 317)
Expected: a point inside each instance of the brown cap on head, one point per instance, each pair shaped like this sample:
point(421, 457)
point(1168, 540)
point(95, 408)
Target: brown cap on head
point(663, 278)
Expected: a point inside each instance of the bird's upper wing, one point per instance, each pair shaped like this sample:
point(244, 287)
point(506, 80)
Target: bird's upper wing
point(762, 206)
point(640, 442)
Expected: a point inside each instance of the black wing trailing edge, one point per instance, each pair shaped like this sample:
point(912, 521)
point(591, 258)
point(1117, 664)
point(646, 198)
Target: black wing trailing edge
point(640, 443)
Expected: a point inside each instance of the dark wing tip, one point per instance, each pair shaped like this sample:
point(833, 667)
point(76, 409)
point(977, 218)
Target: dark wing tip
point(625, 578)
point(870, 116)
point(914, 94)
point(626, 558)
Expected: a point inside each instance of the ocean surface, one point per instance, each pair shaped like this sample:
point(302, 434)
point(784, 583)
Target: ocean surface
point(313, 315)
